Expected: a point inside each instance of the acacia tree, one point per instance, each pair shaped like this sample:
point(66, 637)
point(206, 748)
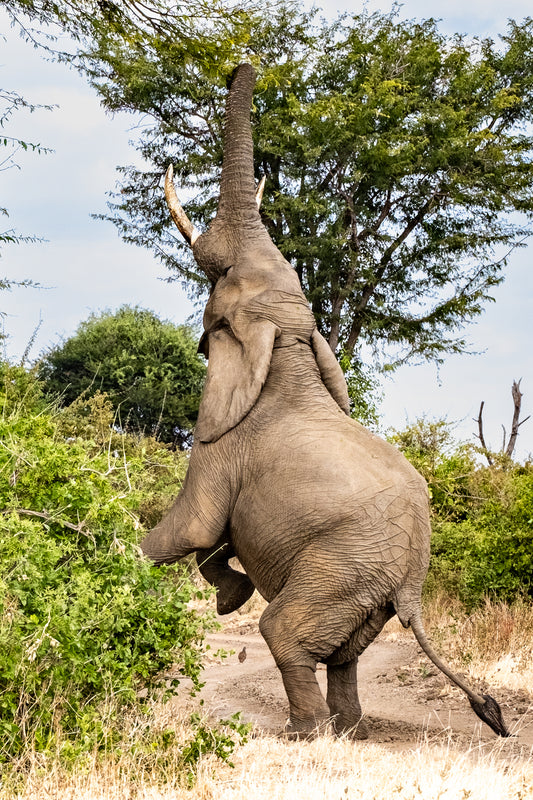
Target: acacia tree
point(410, 155)
point(396, 159)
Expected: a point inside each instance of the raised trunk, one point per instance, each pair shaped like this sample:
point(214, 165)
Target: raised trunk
point(237, 184)
point(237, 214)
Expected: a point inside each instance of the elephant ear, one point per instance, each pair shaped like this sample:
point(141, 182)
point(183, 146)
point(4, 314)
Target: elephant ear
point(237, 370)
point(330, 371)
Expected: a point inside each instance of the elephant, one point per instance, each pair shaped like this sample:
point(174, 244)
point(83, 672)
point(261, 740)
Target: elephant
point(329, 522)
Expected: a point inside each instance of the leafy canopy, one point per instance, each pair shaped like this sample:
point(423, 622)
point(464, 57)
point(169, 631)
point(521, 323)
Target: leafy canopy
point(149, 369)
point(195, 23)
point(396, 159)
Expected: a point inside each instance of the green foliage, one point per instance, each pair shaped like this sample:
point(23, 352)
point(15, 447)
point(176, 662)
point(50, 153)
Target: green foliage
point(395, 159)
point(148, 368)
point(193, 27)
point(483, 558)
point(446, 466)
point(482, 543)
point(10, 103)
point(85, 621)
point(220, 742)
point(364, 391)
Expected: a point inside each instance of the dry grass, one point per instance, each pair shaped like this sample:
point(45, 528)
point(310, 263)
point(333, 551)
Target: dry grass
point(329, 769)
point(268, 768)
point(494, 643)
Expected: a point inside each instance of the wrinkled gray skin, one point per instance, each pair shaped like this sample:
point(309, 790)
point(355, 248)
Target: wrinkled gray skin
point(330, 523)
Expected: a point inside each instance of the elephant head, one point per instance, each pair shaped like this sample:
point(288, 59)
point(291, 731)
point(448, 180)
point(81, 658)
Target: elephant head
point(256, 300)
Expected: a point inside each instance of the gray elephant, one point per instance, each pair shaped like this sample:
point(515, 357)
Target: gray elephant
point(330, 523)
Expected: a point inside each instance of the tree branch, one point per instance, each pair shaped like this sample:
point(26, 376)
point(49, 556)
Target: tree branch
point(480, 435)
point(384, 262)
point(48, 517)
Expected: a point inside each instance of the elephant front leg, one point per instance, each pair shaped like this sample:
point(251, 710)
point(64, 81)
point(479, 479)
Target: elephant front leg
point(176, 536)
point(343, 700)
point(199, 516)
point(233, 588)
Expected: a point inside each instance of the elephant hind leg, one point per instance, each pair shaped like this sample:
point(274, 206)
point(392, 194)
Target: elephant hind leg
point(331, 622)
point(342, 697)
point(309, 711)
point(343, 700)
point(300, 632)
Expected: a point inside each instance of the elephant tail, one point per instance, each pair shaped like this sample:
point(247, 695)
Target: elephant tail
point(483, 705)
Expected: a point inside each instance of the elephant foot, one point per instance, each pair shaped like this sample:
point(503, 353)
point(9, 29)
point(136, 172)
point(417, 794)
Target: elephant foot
point(357, 731)
point(306, 730)
point(343, 701)
point(233, 590)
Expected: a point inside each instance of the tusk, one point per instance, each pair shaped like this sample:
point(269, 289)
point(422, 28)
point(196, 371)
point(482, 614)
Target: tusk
point(259, 191)
point(185, 226)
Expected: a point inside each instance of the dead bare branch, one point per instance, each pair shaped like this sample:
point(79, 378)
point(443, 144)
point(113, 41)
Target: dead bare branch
point(517, 400)
point(48, 517)
point(480, 435)
point(515, 425)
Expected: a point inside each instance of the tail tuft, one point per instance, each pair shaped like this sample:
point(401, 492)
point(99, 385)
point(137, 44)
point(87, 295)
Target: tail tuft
point(490, 712)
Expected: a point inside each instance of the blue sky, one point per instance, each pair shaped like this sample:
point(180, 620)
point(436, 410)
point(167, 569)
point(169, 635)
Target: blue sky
point(86, 267)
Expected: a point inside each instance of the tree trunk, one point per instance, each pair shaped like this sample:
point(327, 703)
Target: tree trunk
point(517, 400)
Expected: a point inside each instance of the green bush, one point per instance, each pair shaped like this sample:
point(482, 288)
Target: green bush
point(149, 368)
point(446, 466)
point(473, 561)
point(482, 543)
point(86, 622)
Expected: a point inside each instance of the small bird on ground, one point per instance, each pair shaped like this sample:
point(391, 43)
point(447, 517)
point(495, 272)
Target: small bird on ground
point(242, 655)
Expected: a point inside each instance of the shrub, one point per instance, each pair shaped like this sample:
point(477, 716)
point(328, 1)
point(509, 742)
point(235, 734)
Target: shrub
point(475, 562)
point(482, 543)
point(446, 466)
point(86, 622)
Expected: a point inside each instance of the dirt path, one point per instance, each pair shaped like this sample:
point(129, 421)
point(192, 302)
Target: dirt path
point(404, 698)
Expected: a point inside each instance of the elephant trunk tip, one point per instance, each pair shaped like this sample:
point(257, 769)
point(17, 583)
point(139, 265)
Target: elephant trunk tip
point(490, 712)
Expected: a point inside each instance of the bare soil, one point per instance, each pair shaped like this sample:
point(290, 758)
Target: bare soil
point(405, 699)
